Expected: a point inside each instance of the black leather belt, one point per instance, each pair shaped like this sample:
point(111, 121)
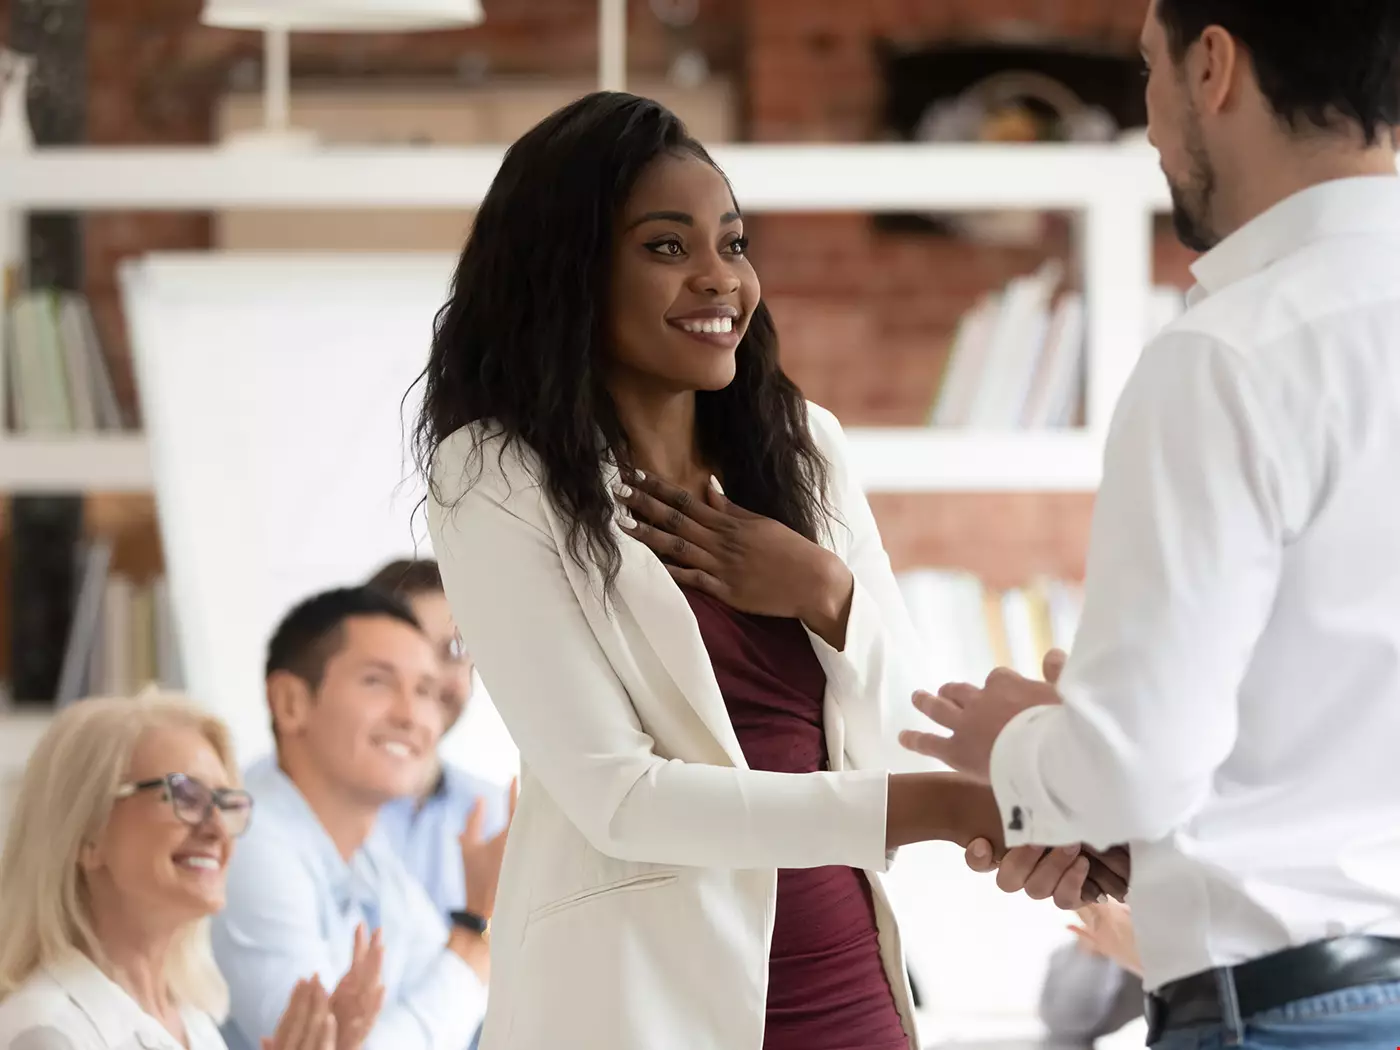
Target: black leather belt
point(1272, 981)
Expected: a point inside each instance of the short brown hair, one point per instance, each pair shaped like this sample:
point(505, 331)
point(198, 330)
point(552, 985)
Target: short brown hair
point(408, 578)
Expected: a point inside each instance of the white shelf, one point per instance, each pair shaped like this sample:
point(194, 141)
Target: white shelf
point(927, 460)
point(77, 463)
point(859, 177)
point(887, 459)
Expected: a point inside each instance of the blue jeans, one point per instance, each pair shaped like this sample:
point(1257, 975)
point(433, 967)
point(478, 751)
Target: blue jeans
point(1365, 1018)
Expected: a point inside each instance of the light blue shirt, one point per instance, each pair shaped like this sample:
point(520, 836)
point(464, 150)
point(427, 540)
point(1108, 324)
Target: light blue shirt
point(425, 836)
point(293, 905)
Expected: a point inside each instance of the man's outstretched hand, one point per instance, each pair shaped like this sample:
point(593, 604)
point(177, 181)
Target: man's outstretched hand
point(1071, 876)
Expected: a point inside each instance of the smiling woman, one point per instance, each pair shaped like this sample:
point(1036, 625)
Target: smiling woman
point(676, 593)
point(114, 860)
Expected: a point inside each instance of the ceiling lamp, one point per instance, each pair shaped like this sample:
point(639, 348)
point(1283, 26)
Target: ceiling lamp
point(276, 19)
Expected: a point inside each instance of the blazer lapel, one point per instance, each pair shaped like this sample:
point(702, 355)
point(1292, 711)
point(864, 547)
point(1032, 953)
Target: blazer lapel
point(665, 619)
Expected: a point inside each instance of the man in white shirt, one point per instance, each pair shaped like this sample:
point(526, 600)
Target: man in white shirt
point(1232, 704)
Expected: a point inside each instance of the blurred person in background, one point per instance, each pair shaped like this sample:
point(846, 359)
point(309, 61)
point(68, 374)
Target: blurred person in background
point(453, 810)
point(675, 589)
point(355, 696)
point(114, 860)
point(1093, 987)
point(1232, 703)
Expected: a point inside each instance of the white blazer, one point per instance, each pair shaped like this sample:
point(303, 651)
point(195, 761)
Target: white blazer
point(75, 1006)
point(637, 897)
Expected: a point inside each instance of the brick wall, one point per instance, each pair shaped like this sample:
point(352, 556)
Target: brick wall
point(865, 315)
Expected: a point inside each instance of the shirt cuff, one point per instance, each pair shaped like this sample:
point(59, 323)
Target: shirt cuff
point(468, 992)
point(1029, 815)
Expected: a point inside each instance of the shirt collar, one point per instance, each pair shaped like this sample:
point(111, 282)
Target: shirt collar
point(1337, 208)
point(109, 1008)
point(277, 798)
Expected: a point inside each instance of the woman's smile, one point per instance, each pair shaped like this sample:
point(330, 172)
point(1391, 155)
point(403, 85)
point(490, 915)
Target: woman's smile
point(714, 325)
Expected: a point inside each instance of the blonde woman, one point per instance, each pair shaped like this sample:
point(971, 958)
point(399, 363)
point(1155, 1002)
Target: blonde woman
point(114, 860)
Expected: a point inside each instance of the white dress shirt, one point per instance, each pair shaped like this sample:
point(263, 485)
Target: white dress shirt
point(75, 1006)
point(1232, 701)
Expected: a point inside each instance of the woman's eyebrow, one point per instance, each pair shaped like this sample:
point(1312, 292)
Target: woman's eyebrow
point(681, 217)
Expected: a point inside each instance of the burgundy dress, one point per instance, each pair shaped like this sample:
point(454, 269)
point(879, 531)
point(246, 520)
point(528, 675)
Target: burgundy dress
point(827, 987)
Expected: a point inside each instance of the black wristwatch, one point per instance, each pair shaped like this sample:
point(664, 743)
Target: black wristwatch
point(472, 922)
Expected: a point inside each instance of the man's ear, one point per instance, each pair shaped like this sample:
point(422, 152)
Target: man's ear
point(1219, 65)
point(289, 699)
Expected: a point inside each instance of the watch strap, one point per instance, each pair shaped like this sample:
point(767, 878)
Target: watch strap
point(471, 921)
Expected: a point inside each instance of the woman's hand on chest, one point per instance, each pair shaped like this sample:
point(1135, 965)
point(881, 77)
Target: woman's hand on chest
point(750, 562)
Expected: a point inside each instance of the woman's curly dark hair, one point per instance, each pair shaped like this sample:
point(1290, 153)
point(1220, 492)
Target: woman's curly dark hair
point(521, 343)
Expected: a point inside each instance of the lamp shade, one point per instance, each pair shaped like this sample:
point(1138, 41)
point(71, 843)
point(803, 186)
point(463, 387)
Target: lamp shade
point(352, 16)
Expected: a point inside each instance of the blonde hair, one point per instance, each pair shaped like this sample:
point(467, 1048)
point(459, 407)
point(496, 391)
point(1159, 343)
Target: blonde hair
point(70, 783)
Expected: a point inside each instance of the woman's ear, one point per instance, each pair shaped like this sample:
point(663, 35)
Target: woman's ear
point(89, 857)
point(288, 698)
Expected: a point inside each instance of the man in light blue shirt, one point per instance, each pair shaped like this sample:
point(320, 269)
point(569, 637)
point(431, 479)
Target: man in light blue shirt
point(353, 687)
point(425, 828)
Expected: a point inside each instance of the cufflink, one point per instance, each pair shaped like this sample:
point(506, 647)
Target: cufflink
point(1017, 823)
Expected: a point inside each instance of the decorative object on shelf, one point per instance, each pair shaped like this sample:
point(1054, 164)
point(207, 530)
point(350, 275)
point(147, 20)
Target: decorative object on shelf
point(1005, 90)
point(689, 68)
point(16, 136)
point(277, 19)
point(1015, 106)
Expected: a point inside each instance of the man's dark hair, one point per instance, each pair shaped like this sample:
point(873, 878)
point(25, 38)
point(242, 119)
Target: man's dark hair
point(1322, 64)
point(314, 631)
point(407, 578)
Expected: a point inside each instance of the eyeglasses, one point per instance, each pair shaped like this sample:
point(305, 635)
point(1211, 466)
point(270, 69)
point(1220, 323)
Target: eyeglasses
point(193, 802)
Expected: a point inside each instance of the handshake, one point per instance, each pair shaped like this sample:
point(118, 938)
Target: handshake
point(1070, 875)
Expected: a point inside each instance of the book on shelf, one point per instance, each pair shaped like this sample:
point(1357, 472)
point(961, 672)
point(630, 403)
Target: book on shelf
point(57, 374)
point(968, 628)
point(1018, 358)
point(78, 627)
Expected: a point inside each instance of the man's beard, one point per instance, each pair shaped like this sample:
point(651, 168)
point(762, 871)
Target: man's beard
point(1192, 199)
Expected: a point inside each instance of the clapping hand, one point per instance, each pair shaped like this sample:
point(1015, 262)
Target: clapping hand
point(481, 857)
point(308, 1023)
point(359, 996)
point(1107, 930)
point(751, 563)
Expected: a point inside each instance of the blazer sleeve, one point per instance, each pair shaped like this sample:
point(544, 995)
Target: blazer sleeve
point(579, 734)
point(881, 663)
